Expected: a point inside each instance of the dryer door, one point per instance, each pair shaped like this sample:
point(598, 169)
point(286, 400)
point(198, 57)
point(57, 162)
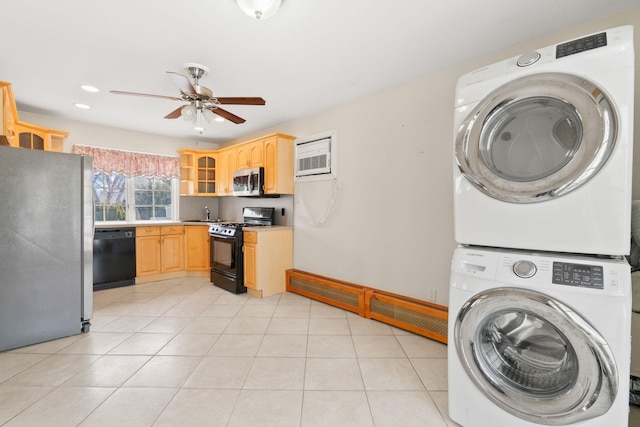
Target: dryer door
point(535, 357)
point(537, 137)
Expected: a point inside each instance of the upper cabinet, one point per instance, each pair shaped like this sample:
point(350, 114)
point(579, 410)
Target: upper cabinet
point(250, 155)
point(206, 174)
point(26, 135)
point(187, 172)
point(214, 176)
point(198, 174)
point(9, 113)
point(226, 166)
point(278, 164)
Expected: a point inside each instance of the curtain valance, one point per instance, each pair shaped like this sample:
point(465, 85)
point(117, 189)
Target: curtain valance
point(129, 163)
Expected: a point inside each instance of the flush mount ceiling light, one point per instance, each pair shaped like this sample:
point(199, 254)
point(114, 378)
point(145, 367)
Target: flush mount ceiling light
point(259, 9)
point(89, 88)
point(82, 106)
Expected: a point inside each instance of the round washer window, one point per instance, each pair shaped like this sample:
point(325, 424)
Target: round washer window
point(526, 354)
point(537, 137)
point(535, 357)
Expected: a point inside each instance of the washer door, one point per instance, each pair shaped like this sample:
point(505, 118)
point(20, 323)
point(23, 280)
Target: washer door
point(537, 137)
point(535, 357)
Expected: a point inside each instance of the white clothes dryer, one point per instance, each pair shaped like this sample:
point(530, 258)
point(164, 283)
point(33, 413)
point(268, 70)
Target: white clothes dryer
point(538, 339)
point(543, 148)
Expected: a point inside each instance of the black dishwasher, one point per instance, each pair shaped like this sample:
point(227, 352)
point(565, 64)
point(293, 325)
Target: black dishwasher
point(114, 257)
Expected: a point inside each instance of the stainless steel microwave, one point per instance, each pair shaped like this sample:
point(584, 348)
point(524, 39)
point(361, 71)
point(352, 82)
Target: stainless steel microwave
point(248, 182)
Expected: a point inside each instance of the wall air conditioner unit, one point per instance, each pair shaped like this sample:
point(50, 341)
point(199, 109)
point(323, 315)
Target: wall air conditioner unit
point(315, 157)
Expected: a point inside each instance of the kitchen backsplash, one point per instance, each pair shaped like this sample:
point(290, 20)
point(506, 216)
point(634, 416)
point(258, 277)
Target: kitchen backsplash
point(230, 208)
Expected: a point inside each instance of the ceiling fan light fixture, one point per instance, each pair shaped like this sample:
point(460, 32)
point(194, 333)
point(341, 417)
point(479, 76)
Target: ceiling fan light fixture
point(208, 115)
point(259, 9)
point(189, 113)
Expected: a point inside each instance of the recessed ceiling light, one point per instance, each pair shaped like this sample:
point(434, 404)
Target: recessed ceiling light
point(82, 106)
point(89, 88)
point(219, 119)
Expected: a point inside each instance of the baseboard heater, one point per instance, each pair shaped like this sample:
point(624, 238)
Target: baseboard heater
point(335, 292)
point(420, 317)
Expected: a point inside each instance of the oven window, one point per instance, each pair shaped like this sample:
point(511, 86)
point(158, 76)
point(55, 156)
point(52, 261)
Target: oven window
point(223, 254)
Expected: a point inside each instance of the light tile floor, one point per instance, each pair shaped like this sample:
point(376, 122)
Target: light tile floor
point(185, 353)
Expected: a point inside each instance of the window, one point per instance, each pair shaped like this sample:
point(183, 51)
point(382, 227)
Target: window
point(130, 187)
point(153, 199)
point(109, 197)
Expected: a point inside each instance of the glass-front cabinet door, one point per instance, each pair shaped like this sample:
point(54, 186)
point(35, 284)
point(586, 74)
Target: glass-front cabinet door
point(206, 175)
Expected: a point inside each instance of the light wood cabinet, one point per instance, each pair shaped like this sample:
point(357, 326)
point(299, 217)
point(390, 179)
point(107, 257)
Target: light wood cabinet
point(267, 256)
point(187, 172)
point(198, 174)
point(26, 135)
point(250, 260)
point(226, 167)
point(206, 174)
point(147, 251)
point(159, 249)
point(278, 164)
point(210, 173)
point(250, 155)
point(196, 243)
point(172, 248)
point(9, 113)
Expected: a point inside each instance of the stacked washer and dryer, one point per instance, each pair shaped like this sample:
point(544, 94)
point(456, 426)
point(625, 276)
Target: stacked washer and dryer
point(540, 293)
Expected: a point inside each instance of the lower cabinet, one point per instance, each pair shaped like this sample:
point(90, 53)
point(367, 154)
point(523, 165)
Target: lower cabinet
point(196, 243)
point(267, 255)
point(171, 248)
point(159, 249)
point(147, 251)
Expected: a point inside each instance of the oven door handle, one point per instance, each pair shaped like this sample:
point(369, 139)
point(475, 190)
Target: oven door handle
point(214, 237)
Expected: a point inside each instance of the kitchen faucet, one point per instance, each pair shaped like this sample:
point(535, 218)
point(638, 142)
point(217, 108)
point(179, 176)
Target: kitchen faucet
point(207, 212)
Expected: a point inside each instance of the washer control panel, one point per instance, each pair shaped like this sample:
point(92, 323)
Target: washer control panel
point(590, 276)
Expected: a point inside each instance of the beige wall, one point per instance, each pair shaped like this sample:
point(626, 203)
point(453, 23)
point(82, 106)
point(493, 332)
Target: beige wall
point(391, 227)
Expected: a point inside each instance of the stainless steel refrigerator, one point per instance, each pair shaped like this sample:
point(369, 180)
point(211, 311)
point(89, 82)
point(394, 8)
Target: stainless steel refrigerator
point(46, 246)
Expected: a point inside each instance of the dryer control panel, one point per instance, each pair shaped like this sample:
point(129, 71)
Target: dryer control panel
point(572, 47)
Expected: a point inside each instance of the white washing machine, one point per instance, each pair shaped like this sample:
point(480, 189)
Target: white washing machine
point(543, 148)
point(538, 339)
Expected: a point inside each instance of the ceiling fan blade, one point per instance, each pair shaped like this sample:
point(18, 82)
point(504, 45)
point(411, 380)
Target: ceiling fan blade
point(120, 92)
point(175, 113)
point(241, 101)
point(183, 83)
point(227, 115)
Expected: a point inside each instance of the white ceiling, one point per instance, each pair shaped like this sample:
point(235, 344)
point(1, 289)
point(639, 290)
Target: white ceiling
point(312, 56)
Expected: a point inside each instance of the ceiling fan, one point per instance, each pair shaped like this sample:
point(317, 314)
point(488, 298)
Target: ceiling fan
point(200, 98)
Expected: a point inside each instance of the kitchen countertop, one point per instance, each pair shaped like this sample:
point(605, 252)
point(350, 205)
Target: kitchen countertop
point(155, 224)
point(268, 228)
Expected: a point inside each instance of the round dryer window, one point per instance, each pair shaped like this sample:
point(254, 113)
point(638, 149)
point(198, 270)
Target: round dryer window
point(537, 137)
point(535, 357)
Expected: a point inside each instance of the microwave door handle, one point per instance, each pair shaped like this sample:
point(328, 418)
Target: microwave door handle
point(251, 183)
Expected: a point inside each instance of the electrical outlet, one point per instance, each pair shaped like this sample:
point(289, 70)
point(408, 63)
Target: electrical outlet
point(431, 295)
